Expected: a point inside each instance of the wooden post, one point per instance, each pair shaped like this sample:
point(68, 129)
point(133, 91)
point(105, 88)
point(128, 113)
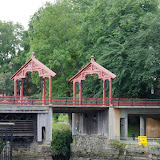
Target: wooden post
point(15, 90)
point(44, 91)
point(50, 89)
point(80, 92)
point(104, 92)
point(21, 92)
point(110, 91)
point(74, 93)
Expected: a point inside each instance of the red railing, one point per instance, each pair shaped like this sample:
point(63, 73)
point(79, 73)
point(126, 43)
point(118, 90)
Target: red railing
point(10, 100)
point(135, 102)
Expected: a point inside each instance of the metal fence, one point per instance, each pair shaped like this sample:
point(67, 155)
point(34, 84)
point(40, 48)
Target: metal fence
point(6, 141)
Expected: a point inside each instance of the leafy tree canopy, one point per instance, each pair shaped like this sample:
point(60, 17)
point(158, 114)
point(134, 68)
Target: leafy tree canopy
point(5, 83)
point(11, 54)
point(55, 41)
point(124, 37)
point(10, 39)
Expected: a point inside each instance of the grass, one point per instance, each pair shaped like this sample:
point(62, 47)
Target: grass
point(133, 129)
point(60, 126)
point(60, 123)
point(63, 118)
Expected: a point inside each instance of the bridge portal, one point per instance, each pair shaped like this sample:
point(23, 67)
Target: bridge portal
point(31, 66)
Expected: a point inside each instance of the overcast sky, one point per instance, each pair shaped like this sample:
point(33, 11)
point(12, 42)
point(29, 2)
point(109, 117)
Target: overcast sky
point(20, 10)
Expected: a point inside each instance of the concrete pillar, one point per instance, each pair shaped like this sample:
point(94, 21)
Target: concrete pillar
point(124, 127)
point(124, 123)
point(70, 119)
point(49, 126)
point(103, 122)
point(142, 126)
point(81, 122)
point(44, 122)
point(114, 123)
point(73, 123)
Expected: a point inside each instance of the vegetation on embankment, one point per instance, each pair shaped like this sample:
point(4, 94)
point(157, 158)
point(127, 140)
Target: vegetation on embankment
point(61, 140)
point(117, 144)
point(61, 137)
point(60, 126)
point(60, 121)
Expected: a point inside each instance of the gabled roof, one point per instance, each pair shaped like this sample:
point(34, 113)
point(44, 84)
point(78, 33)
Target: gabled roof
point(93, 68)
point(31, 66)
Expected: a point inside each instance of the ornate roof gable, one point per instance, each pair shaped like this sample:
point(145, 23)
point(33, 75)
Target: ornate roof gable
point(93, 68)
point(31, 66)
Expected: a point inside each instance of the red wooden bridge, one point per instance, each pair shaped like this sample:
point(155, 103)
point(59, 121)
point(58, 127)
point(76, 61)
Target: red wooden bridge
point(11, 100)
point(91, 68)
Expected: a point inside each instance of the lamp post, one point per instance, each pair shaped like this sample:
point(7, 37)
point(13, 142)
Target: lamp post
point(152, 90)
point(20, 82)
point(42, 82)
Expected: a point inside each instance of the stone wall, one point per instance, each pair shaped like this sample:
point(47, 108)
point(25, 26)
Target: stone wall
point(31, 151)
point(99, 148)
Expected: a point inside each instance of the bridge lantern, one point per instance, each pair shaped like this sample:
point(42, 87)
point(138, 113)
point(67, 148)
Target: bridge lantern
point(20, 82)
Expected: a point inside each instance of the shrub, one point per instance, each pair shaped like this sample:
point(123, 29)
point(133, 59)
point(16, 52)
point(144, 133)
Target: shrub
point(55, 117)
point(153, 148)
point(61, 140)
point(158, 141)
point(117, 144)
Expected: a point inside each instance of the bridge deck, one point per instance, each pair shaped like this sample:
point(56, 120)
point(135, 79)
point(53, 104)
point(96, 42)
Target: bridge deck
point(63, 108)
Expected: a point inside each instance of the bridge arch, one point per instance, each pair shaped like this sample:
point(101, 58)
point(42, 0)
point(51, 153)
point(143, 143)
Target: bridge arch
point(93, 68)
point(31, 66)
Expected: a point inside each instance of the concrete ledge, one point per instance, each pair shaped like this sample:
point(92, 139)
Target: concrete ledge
point(23, 109)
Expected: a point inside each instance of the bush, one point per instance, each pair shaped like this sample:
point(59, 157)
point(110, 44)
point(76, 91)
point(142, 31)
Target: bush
point(117, 144)
point(55, 117)
point(158, 141)
point(61, 140)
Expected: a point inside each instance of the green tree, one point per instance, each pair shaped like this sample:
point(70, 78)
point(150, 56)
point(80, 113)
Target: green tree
point(55, 41)
point(5, 83)
point(20, 57)
point(11, 57)
point(10, 43)
point(61, 140)
point(124, 35)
